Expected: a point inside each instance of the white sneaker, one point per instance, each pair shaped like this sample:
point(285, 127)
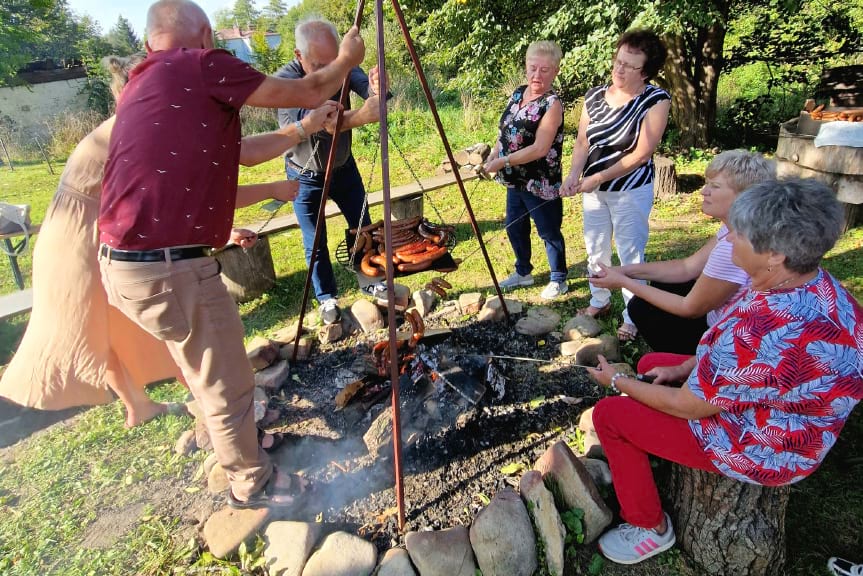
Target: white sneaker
point(329, 311)
point(628, 544)
point(553, 290)
point(515, 280)
point(840, 567)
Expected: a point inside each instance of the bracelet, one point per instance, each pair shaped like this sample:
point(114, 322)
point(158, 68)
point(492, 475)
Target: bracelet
point(506, 162)
point(613, 383)
point(301, 131)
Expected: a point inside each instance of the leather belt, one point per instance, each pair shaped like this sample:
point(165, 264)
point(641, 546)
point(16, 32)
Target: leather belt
point(154, 255)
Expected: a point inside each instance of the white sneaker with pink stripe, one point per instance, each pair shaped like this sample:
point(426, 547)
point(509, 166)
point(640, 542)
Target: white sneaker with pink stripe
point(628, 544)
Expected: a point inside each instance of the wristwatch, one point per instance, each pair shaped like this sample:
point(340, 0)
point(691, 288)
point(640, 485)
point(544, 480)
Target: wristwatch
point(300, 130)
point(506, 163)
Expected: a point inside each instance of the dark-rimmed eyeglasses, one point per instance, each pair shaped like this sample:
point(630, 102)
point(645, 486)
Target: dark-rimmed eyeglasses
point(626, 67)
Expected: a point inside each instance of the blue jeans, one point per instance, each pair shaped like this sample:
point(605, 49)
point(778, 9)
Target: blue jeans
point(348, 192)
point(548, 217)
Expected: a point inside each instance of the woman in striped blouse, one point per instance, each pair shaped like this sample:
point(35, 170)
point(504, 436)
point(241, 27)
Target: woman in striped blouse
point(621, 125)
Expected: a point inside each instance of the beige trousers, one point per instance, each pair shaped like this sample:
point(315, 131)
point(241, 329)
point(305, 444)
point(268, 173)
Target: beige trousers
point(185, 304)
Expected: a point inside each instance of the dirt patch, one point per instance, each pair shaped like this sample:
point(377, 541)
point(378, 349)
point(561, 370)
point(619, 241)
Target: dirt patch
point(111, 525)
point(167, 498)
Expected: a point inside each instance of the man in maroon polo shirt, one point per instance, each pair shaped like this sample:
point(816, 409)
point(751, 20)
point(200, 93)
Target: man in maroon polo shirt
point(168, 196)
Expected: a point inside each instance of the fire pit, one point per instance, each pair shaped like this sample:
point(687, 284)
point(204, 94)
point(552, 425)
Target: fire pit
point(464, 416)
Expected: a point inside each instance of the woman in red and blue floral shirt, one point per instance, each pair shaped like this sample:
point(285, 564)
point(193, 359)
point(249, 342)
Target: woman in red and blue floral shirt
point(772, 382)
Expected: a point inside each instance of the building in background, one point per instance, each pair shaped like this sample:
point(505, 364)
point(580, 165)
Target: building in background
point(44, 91)
point(239, 42)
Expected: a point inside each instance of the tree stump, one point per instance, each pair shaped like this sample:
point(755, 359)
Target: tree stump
point(462, 157)
point(665, 180)
point(248, 274)
point(407, 207)
point(728, 528)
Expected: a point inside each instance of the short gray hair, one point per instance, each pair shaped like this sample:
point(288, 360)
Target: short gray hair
point(741, 168)
point(312, 27)
point(801, 219)
point(545, 48)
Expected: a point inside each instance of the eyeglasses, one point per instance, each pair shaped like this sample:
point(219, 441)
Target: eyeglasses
point(626, 67)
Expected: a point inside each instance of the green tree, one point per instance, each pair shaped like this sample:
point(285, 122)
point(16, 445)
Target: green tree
point(223, 19)
point(480, 44)
point(267, 59)
point(122, 38)
point(33, 30)
point(16, 17)
point(274, 11)
point(246, 14)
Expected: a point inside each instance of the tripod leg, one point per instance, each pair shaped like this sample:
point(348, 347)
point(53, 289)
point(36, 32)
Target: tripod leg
point(415, 58)
point(390, 271)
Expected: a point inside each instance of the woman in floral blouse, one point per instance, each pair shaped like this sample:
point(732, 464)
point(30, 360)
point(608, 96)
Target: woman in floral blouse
point(526, 159)
point(772, 382)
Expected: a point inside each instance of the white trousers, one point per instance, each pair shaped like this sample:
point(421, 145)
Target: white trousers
point(623, 215)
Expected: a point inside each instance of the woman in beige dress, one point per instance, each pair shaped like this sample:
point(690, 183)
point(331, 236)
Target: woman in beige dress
point(77, 348)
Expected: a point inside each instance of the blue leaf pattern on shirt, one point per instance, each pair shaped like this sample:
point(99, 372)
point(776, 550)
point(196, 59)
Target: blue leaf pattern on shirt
point(787, 369)
point(842, 360)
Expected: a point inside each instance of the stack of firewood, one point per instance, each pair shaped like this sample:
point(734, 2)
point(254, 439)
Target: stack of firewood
point(470, 159)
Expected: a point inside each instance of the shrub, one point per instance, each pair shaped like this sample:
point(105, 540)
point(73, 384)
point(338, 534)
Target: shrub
point(754, 99)
point(67, 129)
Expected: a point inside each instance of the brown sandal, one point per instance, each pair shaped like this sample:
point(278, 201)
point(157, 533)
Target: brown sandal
point(599, 312)
point(627, 332)
point(273, 496)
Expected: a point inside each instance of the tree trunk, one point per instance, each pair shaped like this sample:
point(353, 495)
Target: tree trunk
point(665, 180)
point(728, 528)
point(248, 274)
point(692, 70)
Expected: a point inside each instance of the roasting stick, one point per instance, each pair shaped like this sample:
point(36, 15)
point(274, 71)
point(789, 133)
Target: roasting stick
point(643, 377)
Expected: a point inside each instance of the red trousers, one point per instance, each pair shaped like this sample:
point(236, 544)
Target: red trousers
point(655, 359)
point(629, 431)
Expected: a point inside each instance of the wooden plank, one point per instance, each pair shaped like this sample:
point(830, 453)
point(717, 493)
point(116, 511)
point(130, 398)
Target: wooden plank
point(16, 303)
point(396, 193)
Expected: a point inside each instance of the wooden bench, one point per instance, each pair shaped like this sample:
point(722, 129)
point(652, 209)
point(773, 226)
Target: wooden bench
point(250, 274)
point(13, 250)
point(16, 303)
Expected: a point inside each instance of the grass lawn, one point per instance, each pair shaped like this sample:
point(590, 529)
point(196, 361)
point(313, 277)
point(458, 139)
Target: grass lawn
point(56, 484)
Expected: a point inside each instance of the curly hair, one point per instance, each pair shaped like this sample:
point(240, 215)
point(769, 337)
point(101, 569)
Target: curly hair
point(801, 219)
point(648, 42)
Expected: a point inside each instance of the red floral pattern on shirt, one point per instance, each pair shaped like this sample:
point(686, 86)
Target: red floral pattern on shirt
point(787, 369)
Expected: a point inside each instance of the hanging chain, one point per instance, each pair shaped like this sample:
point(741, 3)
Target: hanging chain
point(353, 249)
point(272, 215)
point(416, 178)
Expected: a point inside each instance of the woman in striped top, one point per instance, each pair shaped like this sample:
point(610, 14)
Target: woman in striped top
point(621, 125)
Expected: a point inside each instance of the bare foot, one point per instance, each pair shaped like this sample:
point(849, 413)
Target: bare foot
point(144, 413)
